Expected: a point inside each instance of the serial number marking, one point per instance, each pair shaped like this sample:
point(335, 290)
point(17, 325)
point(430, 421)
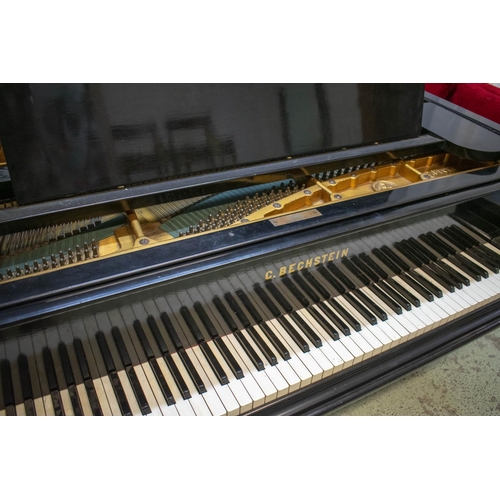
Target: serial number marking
point(304, 264)
point(288, 219)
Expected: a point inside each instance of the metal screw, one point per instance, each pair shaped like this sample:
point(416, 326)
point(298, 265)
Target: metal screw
point(144, 241)
point(425, 176)
point(246, 220)
point(332, 182)
point(277, 205)
point(307, 192)
point(337, 196)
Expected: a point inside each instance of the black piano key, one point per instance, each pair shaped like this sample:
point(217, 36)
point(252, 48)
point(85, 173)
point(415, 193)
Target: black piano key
point(386, 298)
point(413, 246)
point(249, 306)
point(120, 346)
point(226, 316)
point(191, 324)
point(438, 244)
point(250, 351)
point(426, 283)
point(324, 324)
point(287, 282)
point(386, 261)
point(308, 331)
point(66, 365)
point(482, 259)
point(130, 371)
point(278, 296)
point(171, 332)
point(70, 380)
point(50, 372)
point(443, 275)
point(446, 234)
point(436, 276)
point(119, 393)
point(341, 276)
point(356, 304)
point(334, 317)
point(464, 267)
point(417, 287)
point(195, 377)
point(466, 237)
point(275, 341)
point(7, 388)
point(162, 383)
point(50, 369)
point(458, 278)
point(176, 374)
point(24, 374)
point(363, 268)
point(93, 399)
point(87, 379)
point(138, 392)
point(346, 316)
point(235, 307)
point(317, 286)
point(26, 388)
point(404, 292)
point(371, 264)
point(268, 353)
point(327, 275)
point(296, 337)
point(397, 297)
point(157, 336)
point(105, 352)
point(370, 305)
point(488, 254)
point(205, 319)
point(141, 335)
point(229, 358)
point(432, 257)
point(266, 301)
point(214, 363)
point(403, 248)
point(471, 265)
point(394, 257)
point(82, 360)
point(356, 271)
point(309, 291)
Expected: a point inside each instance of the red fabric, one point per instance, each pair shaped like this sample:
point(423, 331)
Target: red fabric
point(443, 90)
point(479, 98)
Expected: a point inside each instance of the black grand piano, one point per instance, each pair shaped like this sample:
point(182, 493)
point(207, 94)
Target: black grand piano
point(237, 249)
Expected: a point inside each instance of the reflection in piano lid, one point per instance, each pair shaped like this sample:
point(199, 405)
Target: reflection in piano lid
point(288, 286)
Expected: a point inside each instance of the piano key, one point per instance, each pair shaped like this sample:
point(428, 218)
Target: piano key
point(191, 324)
point(294, 334)
point(301, 282)
point(287, 282)
point(102, 383)
point(266, 300)
point(276, 342)
point(268, 353)
point(27, 391)
point(385, 298)
point(316, 285)
point(276, 294)
point(335, 286)
point(249, 350)
point(318, 312)
point(235, 307)
point(370, 305)
point(249, 306)
point(338, 308)
point(226, 316)
point(70, 379)
point(260, 377)
point(229, 358)
point(356, 271)
point(205, 319)
point(309, 333)
point(172, 333)
point(140, 373)
point(302, 364)
point(341, 276)
point(272, 372)
point(214, 363)
point(397, 297)
point(7, 389)
point(11, 354)
point(50, 372)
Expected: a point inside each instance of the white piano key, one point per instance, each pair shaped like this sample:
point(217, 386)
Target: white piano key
point(261, 378)
point(248, 381)
point(38, 339)
point(273, 373)
point(84, 400)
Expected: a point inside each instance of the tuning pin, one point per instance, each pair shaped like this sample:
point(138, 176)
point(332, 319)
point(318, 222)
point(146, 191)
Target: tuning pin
point(62, 258)
point(86, 251)
point(53, 261)
point(78, 253)
point(1, 277)
point(9, 274)
point(27, 269)
point(45, 264)
point(18, 271)
point(95, 251)
point(36, 267)
point(71, 257)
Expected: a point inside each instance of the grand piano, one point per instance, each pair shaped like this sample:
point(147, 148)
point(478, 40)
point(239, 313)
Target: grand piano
point(260, 249)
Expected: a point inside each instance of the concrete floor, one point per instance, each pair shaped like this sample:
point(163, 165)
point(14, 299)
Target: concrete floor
point(463, 382)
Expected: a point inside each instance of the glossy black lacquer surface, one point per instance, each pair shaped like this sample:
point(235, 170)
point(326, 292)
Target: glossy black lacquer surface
point(66, 139)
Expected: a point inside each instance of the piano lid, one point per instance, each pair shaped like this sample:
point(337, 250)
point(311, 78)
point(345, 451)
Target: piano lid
point(69, 139)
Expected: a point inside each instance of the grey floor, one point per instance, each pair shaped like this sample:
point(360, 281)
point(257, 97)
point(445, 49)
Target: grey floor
point(463, 382)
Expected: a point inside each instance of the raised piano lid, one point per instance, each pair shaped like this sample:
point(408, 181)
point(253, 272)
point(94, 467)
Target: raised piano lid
point(70, 139)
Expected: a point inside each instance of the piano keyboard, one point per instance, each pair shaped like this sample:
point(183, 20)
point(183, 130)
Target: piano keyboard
point(233, 344)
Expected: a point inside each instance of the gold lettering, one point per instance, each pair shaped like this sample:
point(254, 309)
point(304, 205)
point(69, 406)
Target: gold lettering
point(282, 271)
point(344, 252)
point(331, 256)
point(291, 267)
point(269, 275)
point(324, 256)
point(338, 252)
point(309, 263)
point(300, 265)
point(317, 260)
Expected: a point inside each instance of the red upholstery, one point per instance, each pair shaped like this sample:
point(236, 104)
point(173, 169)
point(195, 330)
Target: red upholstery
point(480, 98)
